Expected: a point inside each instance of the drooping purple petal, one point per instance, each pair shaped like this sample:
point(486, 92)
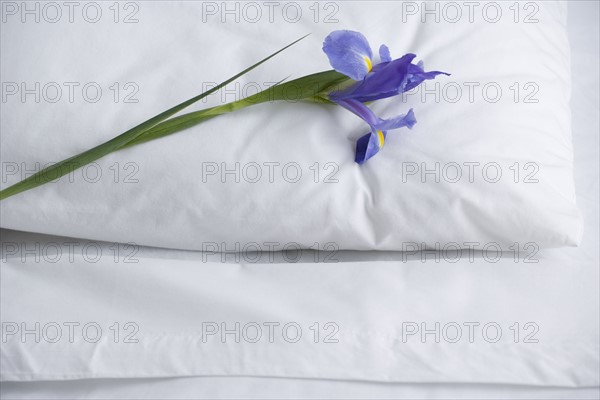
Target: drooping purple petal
point(376, 123)
point(349, 53)
point(407, 120)
point(384, 54)
point(368, 145)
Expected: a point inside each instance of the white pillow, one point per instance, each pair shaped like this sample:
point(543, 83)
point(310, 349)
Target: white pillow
point(163, 194)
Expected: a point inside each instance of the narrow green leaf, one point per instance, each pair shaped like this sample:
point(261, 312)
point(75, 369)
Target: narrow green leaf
point(72, 163)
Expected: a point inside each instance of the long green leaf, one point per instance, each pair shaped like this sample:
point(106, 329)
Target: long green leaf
point(72, 163)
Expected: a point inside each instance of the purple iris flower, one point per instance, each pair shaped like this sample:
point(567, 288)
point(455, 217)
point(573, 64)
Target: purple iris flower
point(350, 54)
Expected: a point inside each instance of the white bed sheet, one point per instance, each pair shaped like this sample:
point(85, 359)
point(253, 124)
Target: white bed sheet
point(560, 293)
point(278, 388)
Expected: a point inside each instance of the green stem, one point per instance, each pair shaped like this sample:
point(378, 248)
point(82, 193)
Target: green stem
point(182, 122)
point(308, 88)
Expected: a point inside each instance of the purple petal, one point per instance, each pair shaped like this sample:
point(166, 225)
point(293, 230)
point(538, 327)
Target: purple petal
point(376, 123)
point(370, 144)
point(416, 76)
point(367, 146)
point(408, 120)
point(387, 81)
point(384, 54)
point(349, 53)
point(360, 110)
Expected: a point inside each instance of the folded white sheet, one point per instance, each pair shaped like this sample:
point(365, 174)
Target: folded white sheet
point(107, 312)
point(277, 388)
point(501, 122)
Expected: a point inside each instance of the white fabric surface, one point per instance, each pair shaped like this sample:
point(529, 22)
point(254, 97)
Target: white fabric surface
point(277, 388)
point(171, 296)
point(560, 293)
point(378, 206)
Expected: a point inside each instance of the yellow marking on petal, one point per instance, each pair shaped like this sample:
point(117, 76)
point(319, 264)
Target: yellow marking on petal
point(381, 138)
point(369, 63)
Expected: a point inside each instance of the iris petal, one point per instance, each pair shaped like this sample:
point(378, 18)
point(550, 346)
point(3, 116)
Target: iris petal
point(361, 110)
point(408, 120)
point(366, 114)
point(349, 53)
point(384, 54)
point(366, 147)
point(386, 81)
point(416, 76)
point(369, 145)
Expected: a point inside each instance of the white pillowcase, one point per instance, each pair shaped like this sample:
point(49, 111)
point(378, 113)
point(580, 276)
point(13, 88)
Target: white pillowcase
point(171, 192)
